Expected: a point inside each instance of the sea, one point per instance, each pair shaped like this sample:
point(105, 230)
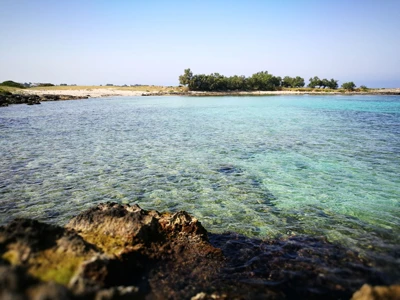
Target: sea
point(262, 166)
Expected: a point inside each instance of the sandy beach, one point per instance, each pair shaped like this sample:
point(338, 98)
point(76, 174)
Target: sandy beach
point(92, 93)
point(97, 92)
point(107, 92)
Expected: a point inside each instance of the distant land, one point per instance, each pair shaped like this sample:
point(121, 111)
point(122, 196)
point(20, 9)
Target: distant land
point(258, 84)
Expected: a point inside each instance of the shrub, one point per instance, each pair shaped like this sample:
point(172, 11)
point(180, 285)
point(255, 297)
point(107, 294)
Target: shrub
point(11, 83)
point(349, 86)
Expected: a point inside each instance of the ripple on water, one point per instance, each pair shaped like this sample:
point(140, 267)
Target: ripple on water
point(265, 166)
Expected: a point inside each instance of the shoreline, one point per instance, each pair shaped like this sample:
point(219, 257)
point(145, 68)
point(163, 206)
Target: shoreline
point(36, 96)
point(116, 92)
point(275, 93)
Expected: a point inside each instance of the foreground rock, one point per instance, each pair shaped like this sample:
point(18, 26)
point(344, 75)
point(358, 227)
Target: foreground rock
point(368, 292)
point(117, 251)
point(7, 98)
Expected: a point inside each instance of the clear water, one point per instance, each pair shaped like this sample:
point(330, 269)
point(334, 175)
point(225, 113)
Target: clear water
point(262, 166)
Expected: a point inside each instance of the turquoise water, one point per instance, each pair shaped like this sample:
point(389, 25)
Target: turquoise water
point(263, 166)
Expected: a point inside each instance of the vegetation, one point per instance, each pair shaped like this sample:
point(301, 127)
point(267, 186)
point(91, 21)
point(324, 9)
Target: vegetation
point(349, 86)
point(292, 82)
point(4, 92)
point(45, 84)
point(186, 77)
point(323, 83)
point(261, 81)
point(13, 84)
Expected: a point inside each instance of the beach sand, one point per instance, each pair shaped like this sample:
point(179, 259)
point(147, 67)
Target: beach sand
point(97, 92)
point(92, 93)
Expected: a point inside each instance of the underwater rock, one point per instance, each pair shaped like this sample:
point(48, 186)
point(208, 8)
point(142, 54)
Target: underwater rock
point(229, 169)
point(114, 251)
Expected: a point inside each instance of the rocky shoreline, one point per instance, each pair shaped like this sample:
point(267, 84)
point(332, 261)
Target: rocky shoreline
point(36, 96)
point(7, 98)
point(114, 251)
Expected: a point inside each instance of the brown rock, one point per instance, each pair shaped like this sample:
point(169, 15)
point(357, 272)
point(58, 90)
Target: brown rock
point(115, 251)
point(368, 292)
point(118, 229)
point(47, 252)
point(16, 284)
point(113, 245)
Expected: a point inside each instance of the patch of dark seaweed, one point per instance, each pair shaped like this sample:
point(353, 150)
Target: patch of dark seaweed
point(297, 266)
point(229, 169)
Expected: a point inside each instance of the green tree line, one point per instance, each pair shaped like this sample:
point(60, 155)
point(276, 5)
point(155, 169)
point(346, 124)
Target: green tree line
point(261, 81)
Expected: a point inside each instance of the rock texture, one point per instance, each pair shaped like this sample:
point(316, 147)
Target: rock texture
point(368, 292)
point(7, 98)
point(115, 251)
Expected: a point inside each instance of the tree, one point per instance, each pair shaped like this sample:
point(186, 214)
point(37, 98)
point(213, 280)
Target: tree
point(218, 82)
point(11, 83)
point(198, 83)
point(324, 83)
point(45, 84)
point(237, 83)
point(262, 81)
point(287, 82)
point(333, 84)
point(293, 81)
point(276, 82)
point(314, 82)
point(298, 82)
point(349, 86)
point(186, 77)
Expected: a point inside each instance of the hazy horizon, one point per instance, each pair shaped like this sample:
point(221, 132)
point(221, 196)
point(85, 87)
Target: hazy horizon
point(131, 42)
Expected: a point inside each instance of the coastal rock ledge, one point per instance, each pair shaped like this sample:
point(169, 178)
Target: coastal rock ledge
point(115, 251)
point(7, 98)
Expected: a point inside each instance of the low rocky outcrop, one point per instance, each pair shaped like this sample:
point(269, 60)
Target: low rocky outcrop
point(52, 97)
point(166, 94)
point(115, 251)
point(7, 98)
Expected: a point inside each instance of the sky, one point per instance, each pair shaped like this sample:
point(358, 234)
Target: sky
point(90, 42)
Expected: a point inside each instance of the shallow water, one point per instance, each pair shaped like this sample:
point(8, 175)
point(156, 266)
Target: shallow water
point(261, 166)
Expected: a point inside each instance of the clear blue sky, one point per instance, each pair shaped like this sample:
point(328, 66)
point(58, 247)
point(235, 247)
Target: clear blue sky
point(151, 42)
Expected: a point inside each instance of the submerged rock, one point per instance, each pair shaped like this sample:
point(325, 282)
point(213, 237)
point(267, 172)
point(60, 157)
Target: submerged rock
point(229, 169)
point(115, 251)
